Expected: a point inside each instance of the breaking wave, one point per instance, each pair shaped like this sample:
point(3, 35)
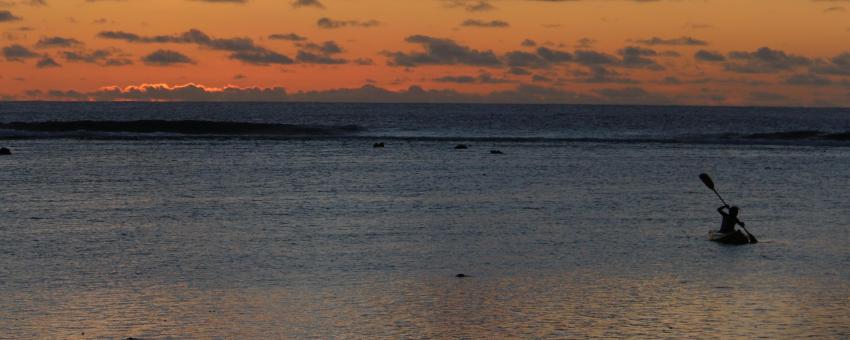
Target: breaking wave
point(155, 129)
point(200, 129)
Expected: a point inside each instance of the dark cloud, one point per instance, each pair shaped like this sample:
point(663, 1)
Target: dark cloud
point(316, 58)
point(554, 56)
point(681, 41)
point(483, 78)
point(166, 58)
point(524, 59)
point(47, 62)
point(440, 51)
point(764, 60)
point(637, 57)
point(307, 3)
point(18, 53)
point(470, 6)
point(261, 57)
point(327, 47)
point(368, 93)
point(703, 55)
point(589, 57)
point(808, 80)
point(287, 37)
point(838, 65)
point(242, 49)
point(100, 57)
point(484, 24)
point(528, 43)
point(598, 74)
point(53, 42)
point(329, 23)
point(6, 16)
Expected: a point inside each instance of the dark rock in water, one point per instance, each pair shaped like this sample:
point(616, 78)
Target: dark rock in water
point(460, 275)
point(5, 152)
point(461, 147)
point(496, 152)
point(378, 145)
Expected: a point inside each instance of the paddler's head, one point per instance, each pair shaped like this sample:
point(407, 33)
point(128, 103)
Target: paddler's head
point(734, 211)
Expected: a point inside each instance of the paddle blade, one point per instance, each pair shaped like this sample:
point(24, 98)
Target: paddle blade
point(707, 181)
point(752, 239)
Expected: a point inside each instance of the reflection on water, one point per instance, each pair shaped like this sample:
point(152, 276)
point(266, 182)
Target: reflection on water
point(324, 239)
point(549, 305)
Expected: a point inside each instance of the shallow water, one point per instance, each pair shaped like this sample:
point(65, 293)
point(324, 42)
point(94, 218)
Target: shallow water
point(330, 238)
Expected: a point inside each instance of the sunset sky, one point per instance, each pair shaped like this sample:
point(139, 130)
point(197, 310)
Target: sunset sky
point(684, 52)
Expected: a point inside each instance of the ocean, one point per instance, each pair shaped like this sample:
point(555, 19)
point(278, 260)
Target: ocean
point(281, 220)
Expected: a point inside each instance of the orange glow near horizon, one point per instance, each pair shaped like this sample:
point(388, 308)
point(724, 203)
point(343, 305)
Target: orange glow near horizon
point(804, 36)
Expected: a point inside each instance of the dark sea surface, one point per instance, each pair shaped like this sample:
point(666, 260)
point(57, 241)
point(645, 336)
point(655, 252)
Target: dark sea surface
point(244, 221)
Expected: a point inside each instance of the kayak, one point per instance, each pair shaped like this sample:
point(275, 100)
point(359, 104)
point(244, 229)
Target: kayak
point(735, 237)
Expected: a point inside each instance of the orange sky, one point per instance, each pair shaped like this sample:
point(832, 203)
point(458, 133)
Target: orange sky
point(802, 65)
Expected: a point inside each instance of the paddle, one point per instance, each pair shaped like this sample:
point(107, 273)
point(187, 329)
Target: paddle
point(710, 184)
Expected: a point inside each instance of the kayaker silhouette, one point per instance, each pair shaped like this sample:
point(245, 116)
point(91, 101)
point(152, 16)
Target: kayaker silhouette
point(730, 219)
point(727, 233)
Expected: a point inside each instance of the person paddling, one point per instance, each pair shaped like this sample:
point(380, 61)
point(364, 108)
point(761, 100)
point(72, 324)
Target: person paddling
point(730, 219)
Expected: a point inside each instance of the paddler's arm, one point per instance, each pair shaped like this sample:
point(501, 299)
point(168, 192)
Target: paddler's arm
point(742, 224)
point(720, 210)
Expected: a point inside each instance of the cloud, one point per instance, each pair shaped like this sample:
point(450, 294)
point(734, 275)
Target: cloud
point(637, 57)
point(441, 51)
point(329, 23)
point(528, 43)
point(53, 42)
point(590, 57)
point(307, 3)
point(525, 59)
point(261, 57)
point(100, 57)
point(808, 80)
point(287, 37)
point(764, 60)
point(838, 65)
point(242, 49)
point(47, 62)
point(368, 93)
point(681, 41)
point(703, 55)
point(18, 53)
point(482, 78)
point(485, 24)
point(598, 74)
point(166, 58)
point(312, 53)
point(6, 16)
point(470, 6)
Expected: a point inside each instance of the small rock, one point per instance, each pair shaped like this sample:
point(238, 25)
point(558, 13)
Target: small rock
point(5, 152)
point(496, 152)
point(378, 145)
point(461, 147)
point(460, 275)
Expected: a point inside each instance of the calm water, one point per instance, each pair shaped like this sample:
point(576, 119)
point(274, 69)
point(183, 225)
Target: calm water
point(587, 225)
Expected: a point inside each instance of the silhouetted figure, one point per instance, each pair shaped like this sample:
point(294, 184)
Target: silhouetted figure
point(461, 147)
point(5, 152)
point(378, 145)
point(460, 276)
point(730, 219)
